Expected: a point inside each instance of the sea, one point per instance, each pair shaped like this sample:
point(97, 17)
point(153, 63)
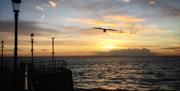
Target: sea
point(121, 73)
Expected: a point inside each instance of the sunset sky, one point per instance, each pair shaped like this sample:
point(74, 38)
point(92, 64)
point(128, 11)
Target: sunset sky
point(145, 26)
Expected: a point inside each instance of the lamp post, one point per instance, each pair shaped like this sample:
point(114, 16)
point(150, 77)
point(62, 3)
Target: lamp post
point(53, 49)
point(32, 42)
point(2, 56)
point(16, 9)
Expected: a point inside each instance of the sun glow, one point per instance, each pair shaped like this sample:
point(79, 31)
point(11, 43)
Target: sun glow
point(109, 46)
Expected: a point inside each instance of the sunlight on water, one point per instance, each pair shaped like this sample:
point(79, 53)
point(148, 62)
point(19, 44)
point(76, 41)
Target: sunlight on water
point(113, 73)
point(111, 87)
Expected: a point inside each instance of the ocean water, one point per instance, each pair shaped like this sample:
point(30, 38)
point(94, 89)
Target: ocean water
point(127, 73)
point(130, 73)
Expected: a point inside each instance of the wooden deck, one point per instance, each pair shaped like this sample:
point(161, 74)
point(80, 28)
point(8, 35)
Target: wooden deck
point(42, 76)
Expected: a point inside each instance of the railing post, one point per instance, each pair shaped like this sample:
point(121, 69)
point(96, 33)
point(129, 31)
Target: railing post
point(58, 66)
point(43, 67)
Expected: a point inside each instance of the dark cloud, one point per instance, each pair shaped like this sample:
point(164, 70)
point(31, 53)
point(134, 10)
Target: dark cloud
point(171, 48)
point(95, 9)
point(27, 27)
point(142, 46)
point(44, 50)
point(174, 12)
point(176, 49)
point(128, 52)
point(146, 46)
point(74, 42)
point(169, 7)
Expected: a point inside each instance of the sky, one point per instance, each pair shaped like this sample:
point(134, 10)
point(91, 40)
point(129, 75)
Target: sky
point(146, 27)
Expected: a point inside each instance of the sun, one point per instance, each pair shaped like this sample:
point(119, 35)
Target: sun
point(109, 46)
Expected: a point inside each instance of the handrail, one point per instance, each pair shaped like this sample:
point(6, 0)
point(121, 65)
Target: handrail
point(49, 66)
point(29, 70)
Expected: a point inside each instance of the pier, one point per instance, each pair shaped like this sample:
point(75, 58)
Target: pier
point(41, 76)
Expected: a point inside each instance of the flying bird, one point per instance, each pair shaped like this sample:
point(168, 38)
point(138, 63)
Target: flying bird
point(104, 29)
point(100, 28)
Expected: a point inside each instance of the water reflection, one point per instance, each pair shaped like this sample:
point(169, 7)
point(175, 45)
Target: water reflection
point(124, 73)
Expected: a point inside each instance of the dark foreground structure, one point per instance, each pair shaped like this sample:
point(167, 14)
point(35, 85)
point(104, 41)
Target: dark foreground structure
point(41, 76)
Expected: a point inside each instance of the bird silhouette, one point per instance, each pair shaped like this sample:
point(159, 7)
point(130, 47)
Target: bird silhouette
point(104, 29)
point(100, 28)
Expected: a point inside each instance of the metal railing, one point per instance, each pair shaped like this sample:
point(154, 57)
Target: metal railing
point(28, 73)
point(40, 68)
point(49, 66)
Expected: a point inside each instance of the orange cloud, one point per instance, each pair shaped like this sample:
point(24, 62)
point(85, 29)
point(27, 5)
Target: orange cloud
point(123, 27)
point(124, 18)
point(92, 22)
point(126, 21)
point(80, 20)
point(90, 32)
point(128, 27)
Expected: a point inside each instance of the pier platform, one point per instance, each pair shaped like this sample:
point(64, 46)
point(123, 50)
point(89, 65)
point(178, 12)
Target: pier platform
point(39, 76)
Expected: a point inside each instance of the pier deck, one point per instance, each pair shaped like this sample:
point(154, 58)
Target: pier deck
point(41, 76)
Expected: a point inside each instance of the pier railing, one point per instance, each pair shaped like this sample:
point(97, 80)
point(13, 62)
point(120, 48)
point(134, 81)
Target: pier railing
point(42, 64)
point(41, 76)
point(49, 66)
point(48, 71)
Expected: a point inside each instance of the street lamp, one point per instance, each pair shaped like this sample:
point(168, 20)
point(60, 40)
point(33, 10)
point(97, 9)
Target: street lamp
point(16, 9)
point(53, 49)
point(2, 56)
point(16, 5)
point(32, 41)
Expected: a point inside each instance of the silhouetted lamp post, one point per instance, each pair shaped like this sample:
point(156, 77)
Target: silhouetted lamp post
point(53, 49)
point(32, 41)
point(16, 9)
point(2, 56)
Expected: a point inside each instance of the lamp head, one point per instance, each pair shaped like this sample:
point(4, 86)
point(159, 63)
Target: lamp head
point(16, 5)
point(16, 1)
point(32, 34)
